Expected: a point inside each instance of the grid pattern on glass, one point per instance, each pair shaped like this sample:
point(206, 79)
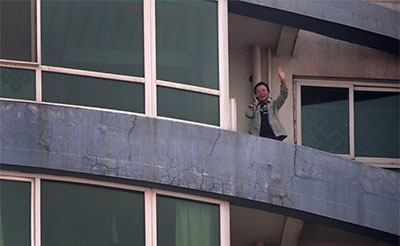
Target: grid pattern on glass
point(17, 83)
point(183, 222)
point(79, 214)
point(188, 105)
point(376, 124)
point(96, 35)
point(15, 213)
point(16, 30)
point(325, 118)
point(93, 92)
point(187, 42)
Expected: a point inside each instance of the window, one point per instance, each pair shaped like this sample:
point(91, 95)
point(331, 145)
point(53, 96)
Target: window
point(17, 30)
point(132, 55)
point(358, 120)
point(79, 214)
point(183, 222)
point(15, 213)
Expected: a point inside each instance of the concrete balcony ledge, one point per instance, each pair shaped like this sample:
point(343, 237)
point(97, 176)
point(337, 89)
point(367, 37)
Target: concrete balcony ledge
point(202, 158)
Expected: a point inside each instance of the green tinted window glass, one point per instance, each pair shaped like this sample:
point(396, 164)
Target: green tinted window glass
point(15, 213)
point(325, 118)
point(97, 35)
point(17, 83)
point(187, 105)
point(376, 124)
point(77, 214)
point(16, 28)
point(187, 42)
point(183, 222)
point(94, 92)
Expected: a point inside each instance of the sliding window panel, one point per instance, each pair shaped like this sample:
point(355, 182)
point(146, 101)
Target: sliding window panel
point(97, 35)
point(188, 105)
point(183, 222)
point(17, 83)
point(187, 42)
point(325, 118)
point(17, 30)
point(79, 214)
point(376, 124)
point(93, 92)
point(15, 213)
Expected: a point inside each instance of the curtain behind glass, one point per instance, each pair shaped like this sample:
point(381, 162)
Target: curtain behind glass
point(15, 213)
point(97, 35)
point(183, 222)
point(376, 124)
point(325, 118)
point(187, 42)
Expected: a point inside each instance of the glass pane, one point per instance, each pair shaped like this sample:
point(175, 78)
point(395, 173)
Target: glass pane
point(17, 83)
point(188, 105)
point(376, 124)
point(94, 92)
point(187, 42)
point(78, 214)
point(98, 35)
point(325, 118)
point(15, 213)
point(183, 222)
point(17, 30)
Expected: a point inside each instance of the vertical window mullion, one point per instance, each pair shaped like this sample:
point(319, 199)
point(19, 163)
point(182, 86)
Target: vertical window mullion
point(150, 56)
point(351, 121)
point(38, 48)
point(36, 213)
point(223, 64)
point(224, 223)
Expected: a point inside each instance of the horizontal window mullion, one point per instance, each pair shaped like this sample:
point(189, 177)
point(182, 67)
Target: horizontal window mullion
point(100, 75)
point(188, 87)
point(18, 64)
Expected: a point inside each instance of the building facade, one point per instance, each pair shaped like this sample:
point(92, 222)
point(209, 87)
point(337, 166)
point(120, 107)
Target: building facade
point(122, 123)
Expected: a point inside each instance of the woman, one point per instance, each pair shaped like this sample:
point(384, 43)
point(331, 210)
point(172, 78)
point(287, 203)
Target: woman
point(264, 112)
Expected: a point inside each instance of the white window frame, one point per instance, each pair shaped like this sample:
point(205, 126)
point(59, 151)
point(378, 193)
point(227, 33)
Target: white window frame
point(150, 78)
point(352, 86)
point(32, 198)
point(150, 203)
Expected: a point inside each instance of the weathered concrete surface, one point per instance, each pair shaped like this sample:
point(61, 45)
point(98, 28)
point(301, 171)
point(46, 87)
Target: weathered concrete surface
point(208, 159)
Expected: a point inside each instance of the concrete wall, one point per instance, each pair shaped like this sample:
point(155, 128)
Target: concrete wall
point(314, 55)
point(192, 157)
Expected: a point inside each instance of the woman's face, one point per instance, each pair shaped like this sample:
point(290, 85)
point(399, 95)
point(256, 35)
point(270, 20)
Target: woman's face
point(262, 93)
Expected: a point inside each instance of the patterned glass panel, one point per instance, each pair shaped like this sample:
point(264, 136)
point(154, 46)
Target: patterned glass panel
point(94, 92)
point(325, 118)
point(376, 124)
point(17, 83)
point(97, 35)
point(15, 213)
point(187, 42)
point(188, 105)
point(88, 215)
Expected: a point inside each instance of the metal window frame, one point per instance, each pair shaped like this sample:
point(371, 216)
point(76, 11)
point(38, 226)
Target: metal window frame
point(352, 86)
point(150, 203)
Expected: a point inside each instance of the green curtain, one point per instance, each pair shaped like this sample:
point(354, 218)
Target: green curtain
point(195, 225)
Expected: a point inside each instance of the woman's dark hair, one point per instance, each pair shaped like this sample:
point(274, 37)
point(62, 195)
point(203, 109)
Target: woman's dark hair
point(261, 83)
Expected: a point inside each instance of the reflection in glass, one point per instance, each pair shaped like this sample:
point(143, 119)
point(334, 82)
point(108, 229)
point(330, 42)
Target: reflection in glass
point(376, 124)
point(17, 83)
point(97, 35)
point(187, 42)
point(94, 92)
point(15, 213)
point(187, 105)
point(325, 118)
point(17, 30)
point(78, 214)
point(183, 222)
